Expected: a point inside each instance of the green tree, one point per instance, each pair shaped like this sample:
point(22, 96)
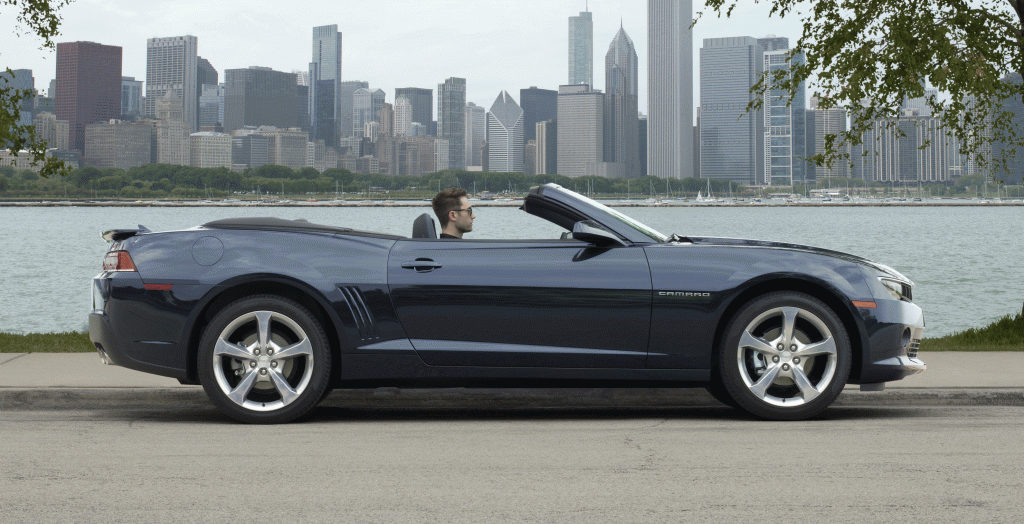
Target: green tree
point(869, 55)
point(40, 18)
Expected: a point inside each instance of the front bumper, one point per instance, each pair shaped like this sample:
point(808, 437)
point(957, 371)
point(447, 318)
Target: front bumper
point(894, 331)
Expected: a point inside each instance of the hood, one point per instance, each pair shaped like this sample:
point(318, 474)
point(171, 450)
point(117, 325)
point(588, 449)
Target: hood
point(741, 242)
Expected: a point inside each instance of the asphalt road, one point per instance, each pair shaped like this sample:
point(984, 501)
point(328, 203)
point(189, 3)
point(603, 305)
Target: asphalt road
point(478, 465)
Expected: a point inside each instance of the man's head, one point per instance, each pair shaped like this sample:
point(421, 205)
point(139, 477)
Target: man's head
point(453, 211)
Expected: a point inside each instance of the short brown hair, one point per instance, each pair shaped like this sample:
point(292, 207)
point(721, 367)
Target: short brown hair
point(445, 201)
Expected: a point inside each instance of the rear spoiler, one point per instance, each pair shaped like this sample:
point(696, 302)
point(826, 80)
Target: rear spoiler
point(116, 235)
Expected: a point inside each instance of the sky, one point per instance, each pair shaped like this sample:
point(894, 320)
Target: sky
point(495, 45)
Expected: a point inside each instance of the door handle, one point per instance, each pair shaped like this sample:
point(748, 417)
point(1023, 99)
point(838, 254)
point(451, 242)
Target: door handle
point(421, 264)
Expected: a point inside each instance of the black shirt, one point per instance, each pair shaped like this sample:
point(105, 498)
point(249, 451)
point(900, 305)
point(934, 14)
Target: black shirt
point(446, 235)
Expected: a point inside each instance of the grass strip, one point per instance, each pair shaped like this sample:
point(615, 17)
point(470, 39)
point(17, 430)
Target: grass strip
point(68, 342)
point(1005, 334)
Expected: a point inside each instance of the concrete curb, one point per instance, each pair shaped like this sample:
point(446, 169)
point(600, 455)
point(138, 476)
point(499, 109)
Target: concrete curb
point(120, 399)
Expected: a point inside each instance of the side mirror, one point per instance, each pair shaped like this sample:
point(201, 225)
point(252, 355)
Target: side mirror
point(592, 233)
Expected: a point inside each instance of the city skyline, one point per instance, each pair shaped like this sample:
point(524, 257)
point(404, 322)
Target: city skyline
point(405, 52)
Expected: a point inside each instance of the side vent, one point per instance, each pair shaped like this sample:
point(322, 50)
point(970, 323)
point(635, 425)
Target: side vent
point(360, 313)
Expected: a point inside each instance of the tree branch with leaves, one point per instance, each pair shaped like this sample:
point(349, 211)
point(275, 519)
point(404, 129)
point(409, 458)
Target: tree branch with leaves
point(868, 56)
point(38, 18)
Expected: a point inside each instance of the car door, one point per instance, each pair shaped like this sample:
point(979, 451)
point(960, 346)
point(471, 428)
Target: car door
point(536, 303)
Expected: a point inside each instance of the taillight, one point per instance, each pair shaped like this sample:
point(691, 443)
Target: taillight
point(118, 261)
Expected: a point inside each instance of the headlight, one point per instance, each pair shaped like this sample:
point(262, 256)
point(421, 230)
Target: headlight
point(899, 290)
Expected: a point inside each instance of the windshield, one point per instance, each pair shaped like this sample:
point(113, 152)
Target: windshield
point(642, 228)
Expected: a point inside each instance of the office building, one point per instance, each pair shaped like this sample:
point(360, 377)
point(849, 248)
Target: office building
point(642, 146)
point(117, 144)
point(249, 150)
point(348, 90)
point(21, 81)
point(451, 119)
point(172, 65)
point(387, 119)
point(580, 131)
point(422, 101)
point(259, 96)
point(621, 120)
point(325, 94)
point(505, 135)
point(51, 130)
point(670, 88)
point(210, 149)
point(211, 107)
point(731, 139)
point(171, 131)
point(476, 134)
point(581, 49)
point(366, 107)
point(131, 96)
point(285, 147)
point(403, 115)
point(784, 124)
point(206, 74)
point(302, 106)
point(88, 86)
point(538, 105)
point(825, 122)
point(547, 147)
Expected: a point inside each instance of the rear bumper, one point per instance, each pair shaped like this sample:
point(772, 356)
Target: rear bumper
point(119, 352)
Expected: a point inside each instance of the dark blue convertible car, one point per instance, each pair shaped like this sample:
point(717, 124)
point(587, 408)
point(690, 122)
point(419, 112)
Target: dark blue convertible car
point(269, 315)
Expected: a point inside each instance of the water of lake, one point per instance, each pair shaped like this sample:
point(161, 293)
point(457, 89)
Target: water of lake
point(966, 261)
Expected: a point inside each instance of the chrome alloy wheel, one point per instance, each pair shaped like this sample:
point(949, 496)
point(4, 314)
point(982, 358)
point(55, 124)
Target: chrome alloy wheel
point(787, 356)
point(263, 361)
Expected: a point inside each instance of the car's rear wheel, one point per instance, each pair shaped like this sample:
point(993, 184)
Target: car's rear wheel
point(784, 356)
point(264, 359)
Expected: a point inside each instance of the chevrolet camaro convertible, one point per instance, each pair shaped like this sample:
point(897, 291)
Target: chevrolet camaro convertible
point(269, 315)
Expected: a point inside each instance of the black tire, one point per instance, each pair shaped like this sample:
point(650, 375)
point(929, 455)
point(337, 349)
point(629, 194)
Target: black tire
point(784, 378)
point(270, 381)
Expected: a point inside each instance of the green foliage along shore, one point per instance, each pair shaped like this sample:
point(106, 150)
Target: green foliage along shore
point(1005, 334)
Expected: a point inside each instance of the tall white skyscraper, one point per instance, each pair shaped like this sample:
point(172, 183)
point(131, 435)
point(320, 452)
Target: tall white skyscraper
point(324, 85)
point(580, 131)
point(669, 88)
point(505, 135)
point(581, 49)
point(171, 65)
point(403, 115)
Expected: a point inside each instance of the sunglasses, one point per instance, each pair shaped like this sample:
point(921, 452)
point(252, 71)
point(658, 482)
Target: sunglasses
point(470, 209)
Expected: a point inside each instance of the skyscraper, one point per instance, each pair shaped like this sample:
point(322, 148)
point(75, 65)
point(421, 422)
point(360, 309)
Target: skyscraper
point(403, 115)
point(581, 49)
point(88, 86)
point(325, 105)
point(621, 138)
point(784, 126)
point(171, 131)
point(22, 81)
point(259, 96)
point(731, 139)
point(538, 105)
point(131, 96)
point(348, 89)
point(670, 88)
point(422, 101)
point(476, 134)
point(580, 131)
point(451, 119)
point(505, 135)
point(366, 106)
point(211, 106)
point(547, 147)
point(172, 64)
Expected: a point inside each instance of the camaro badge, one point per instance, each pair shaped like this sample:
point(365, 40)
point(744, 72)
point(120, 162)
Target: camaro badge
point(684, 294)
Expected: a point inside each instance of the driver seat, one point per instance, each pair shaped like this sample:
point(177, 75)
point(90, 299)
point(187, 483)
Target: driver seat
point(423, 227)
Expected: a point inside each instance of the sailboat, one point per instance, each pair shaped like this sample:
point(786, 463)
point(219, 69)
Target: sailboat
point(626, 200)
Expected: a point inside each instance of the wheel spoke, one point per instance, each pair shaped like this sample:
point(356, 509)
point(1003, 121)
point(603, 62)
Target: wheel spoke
point(760, 387)
point(228, 349)
point(757, 344)
point(263, 318)
point(825, 347)
point(243, 388)
point(807, 389)
point(788, 324)
point(287, 393)
point(302, 348)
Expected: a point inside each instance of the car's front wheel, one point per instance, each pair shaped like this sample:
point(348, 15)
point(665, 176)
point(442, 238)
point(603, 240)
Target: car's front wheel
point(784, 356)
point(264, 359)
